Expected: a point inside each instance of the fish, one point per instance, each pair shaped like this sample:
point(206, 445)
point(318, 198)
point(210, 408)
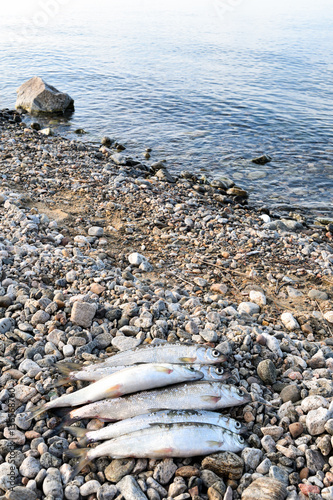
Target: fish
point(93, 372)
point(186, 396)
point(167, 353)
point(161, 417)
point(132, 379)
point(162, 441)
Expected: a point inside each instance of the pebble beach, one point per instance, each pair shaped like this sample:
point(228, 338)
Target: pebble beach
point(101, 253)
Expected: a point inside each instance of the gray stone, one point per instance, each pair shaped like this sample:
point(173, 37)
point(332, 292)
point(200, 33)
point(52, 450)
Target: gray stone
point(289, 321)
point(313, 403)
point(315, 294)
point(72, 492)
point(130, 489)
point(21, 493)
point(83, 313)
point(125, 343)
point(248, 308)
point(6, 324)
point(177, 487)
point(290, 393)
point(107, 492)
point(265, 488)
point(119, 468)
point(52, 484)
point(314, 460)
point(24, 393)
point(135, 259)
point(209, 335)
point(37, 97)
point(8, 476)
point(316, 420)
point(252, 458)
point(279, 474)
point(165, 471)
point(267, 371)
point(40, 317)
point(30, 467)
point(89, 488)
point(96, 231)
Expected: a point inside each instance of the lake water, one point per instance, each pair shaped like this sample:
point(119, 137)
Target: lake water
point(208, 85)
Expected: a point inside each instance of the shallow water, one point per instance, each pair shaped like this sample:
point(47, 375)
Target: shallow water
point(208, 85)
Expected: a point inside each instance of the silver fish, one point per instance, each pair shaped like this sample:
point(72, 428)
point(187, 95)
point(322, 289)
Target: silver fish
point(94, 372)
point(167, 353)
point(164, 440)
point(132, 379)
point(189, 396)
point(161, 417)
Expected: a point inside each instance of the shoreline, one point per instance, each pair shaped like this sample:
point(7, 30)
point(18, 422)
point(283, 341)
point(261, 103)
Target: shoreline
point(222, 273)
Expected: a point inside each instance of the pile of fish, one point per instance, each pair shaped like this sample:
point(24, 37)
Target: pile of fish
point(163, 397)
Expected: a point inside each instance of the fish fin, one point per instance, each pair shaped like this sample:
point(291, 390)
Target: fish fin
point(66, 368)
point(164, 369)
point(213, 399)
point(214, 443)
point(164, 452)
point(188, 360)
point(114, 391)
point(77, 432)
point(82, 455)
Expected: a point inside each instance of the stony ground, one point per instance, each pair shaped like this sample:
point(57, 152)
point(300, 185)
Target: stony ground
point(214, 270)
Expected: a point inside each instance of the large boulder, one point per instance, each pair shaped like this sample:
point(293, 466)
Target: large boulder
point(37, 97)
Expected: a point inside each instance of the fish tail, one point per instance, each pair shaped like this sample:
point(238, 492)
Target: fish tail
point(37, 411)
point(65, 415)
point(82, 455)
point(61, 382)
point(66, 368)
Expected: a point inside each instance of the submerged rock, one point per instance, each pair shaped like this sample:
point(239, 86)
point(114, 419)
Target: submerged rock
point(37, 97)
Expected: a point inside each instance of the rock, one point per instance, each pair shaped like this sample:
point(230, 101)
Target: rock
point(30, 467)
point(262, 160)
point(265, 488)
point(257, 297)
point(279, 474)
point(248, 308)
point(164, 175)
point(72, 492)
point(37, 97)
point(24, 393)
point(118, 469)
point(21, 493)
point(329, 316)
point(273, 344)
point(296, 429)
point(6, 324)
point(316, 420)
point(107, 492)
point(252, 458)
point(220, 288)
point(125, 343)
point(5, 301)
point(165, 471)
point(130, 489)
point(52, 484)
point(306, 489)
point(315, 294)
point(226, 464)
point(8, 476)
point(96, 231)
point(177, 487)
point(289, 321)
point(83, 313)
point(290, 393)
point(274, 430)
point(327, 493)
point(209, 335)
point(314, 460)
point(188, 471)
point(89, 488)
point(313, 403)
point(136, 259)
point(267, 371)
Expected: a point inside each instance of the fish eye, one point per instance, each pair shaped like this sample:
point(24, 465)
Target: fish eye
point(241, 439)
point(240, 392)
point(238, 425)
point(216, 353)
point(219, 371)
